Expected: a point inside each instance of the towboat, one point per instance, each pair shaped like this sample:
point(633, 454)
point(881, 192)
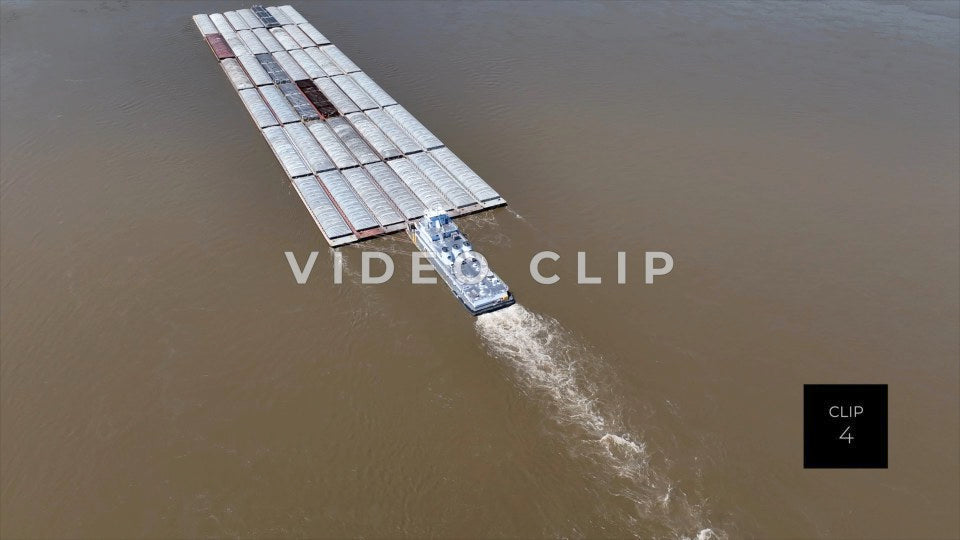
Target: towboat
point(465, 271)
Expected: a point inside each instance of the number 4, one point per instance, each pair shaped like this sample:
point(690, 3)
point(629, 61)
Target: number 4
point(847, 436)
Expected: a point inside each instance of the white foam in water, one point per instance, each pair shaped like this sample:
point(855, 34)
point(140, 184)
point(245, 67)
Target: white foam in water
point(617, 445)
point(535, 345)
point(551, 360)
point(516, 214)
point(708, 534)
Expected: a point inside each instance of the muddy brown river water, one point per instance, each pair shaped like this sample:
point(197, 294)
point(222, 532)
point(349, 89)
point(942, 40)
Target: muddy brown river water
point(163, 375)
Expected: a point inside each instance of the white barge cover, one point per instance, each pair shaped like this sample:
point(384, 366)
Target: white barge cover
point(347, 199)
point(377, 139)
point(238, 77)
point(394, 132)
point(362, 164)
point(254, 70)
point(325, 62)
point(309, 149)
point(353, 141)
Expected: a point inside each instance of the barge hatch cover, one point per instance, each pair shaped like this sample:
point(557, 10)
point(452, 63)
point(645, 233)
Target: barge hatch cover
point(314, 34)
point(324, 61)
point(254, 69)
point(353, 141)
point(332, 144)
point(348, 201)
point(309, 149)
point(278, 104)
point(336, 96)
point(252, 42)
point(284, 38)
point(249, 18)
point(354, 92)
point(267, 39)
point(419, 184)
point(377, 139)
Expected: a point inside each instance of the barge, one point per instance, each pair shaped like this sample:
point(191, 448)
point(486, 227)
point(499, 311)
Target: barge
point(477, 287)
point(362, 164)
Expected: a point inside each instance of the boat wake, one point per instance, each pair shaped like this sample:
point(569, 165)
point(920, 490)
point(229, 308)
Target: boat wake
point(551, 362)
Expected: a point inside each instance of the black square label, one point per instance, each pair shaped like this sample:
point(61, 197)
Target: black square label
point(845, 426)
